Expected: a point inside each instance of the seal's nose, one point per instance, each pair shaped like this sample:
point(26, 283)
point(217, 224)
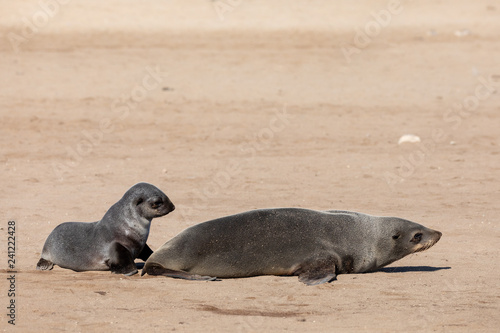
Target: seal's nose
point(439, 234)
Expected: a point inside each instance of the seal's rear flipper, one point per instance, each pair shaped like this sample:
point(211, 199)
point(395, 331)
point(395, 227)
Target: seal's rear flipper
point(44, 265)
point(154, 269)
point(120, 260)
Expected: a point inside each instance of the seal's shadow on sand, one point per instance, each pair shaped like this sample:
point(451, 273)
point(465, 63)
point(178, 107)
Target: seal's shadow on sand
point(401, 269)
point(404, 269)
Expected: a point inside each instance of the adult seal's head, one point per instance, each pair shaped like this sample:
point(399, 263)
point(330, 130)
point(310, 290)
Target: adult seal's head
point(114, 242)
point(314, 245)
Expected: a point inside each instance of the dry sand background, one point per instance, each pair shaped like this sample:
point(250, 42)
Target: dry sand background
point(256, 108)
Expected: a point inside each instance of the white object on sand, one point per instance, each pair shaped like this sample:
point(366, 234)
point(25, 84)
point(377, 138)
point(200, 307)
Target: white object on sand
point(462, 33)
point(408, 138)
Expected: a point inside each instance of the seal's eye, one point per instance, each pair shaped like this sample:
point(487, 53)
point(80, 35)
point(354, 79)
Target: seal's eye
point(417, 238)
point(396, 236)
point(157, 203)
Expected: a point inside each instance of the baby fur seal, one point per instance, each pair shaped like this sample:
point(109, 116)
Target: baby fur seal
point(111, 243)
point(315, 245)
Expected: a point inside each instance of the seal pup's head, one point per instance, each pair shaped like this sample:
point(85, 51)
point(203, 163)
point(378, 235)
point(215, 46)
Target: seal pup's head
point(148, 200)
point(401, 238)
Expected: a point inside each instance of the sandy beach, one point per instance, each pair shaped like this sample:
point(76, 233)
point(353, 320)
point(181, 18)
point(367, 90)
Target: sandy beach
point(229, 106)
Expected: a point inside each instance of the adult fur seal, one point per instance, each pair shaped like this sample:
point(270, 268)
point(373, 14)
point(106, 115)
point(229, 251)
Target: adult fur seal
point(314, 245)
point(111, 243)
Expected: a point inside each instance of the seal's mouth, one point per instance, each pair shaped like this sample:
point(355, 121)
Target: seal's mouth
point(170, 208)
point(423, 247)
point(165, 210)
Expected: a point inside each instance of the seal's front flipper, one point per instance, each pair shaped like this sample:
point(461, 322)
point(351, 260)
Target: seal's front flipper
point(44, 265)
point(317, 271)
point(120, 260)
point(145, 253)
point(154, 269)
point(314, 278)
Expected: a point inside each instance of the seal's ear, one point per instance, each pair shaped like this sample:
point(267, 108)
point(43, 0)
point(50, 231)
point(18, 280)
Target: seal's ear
point(139, 201)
